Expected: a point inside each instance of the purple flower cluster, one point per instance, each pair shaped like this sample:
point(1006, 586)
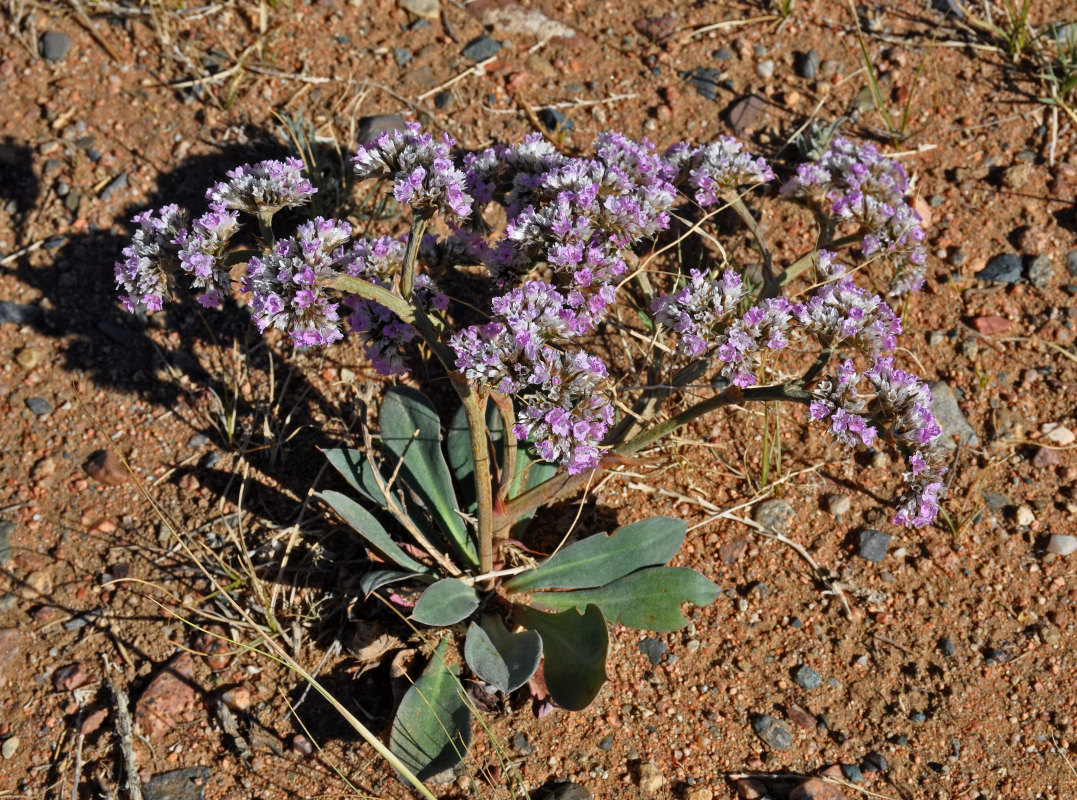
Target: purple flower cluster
point(841, 311)
point(699, 309)
point(422, 170)
point(861, 185)
point(838, 400)
point(716, 169)
point(202, 250)
point(287, 285)
point(264, 188)
point(150, 259)
point(763, 327)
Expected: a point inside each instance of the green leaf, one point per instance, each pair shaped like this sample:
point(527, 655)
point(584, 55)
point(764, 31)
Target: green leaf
point(445, 603)
point(458, 450)
point(411, 431)
point(432, 729)
point(574, 653)
point(649, 599)
point(358, 471)
point(372, 581)
point(370, 529)
point(597, 560)
point(503, 659)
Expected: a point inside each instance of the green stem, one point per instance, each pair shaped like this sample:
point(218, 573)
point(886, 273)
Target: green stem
point(407, 269)
point(480, 455)
point(265, 225)
point(771, 284)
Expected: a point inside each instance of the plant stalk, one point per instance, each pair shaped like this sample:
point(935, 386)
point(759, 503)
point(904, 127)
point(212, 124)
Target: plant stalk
point(407, 269)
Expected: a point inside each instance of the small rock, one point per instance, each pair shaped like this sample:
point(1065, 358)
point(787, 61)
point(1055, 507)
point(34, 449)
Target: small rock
point(744, 113)
point(167, 695)
point(1040, 272)
point(990, 325)
point(722, 54)
point(213, 642)
point(1003, 268)
point(946, 646)
point(951, 420)
point(179, 784)
point(521, 745)
point(1061, 544)
point(442, 100)
point(918, 716)
point(93, 721)
point(54, 46)
point(370, 128)
point(816, 789)
point(773, 514)
point(874, 762)
point(852, 773)
point(7, 527)
point(958, 256)
point(1018, 175)
point(9, 747)
point(704, 80)
point(606, 743)
point(23, 314)
point(765, 69)
point(654, 649)
point(657, 29)
point(38, 584)
point(733, 551)
point(838, 504)
point(807, 64)
point(402, 56)
point(751, 789)
point(302, 746)
point(28, 357)
point(651, 779)
point(698, 793)
point(872, 545)
point(773, 732)
point(798, 716)
point(39, 406)
point(480, 48)
point(1057, 433)
point(1071, 266)
point(117, 184)
point(238, 699)
point(807, 678)
point(71, 677)
point(555, 121)
point(430, 9)
point(567, 790)
point(1024, 516)
point(952, 9)
point(104, 466)
point(1046, 457)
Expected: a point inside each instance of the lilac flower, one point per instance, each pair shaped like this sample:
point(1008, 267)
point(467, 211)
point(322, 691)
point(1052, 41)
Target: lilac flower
point(698, 309)
point(422, 169)
point(150, 259)
point(265, 187)
point(763, 327)
point(202, 250)
point(839, 400)
point(841, 311)
point(716, 169)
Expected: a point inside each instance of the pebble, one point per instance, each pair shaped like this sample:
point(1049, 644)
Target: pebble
point(807, 64)
point(23, 313)
point(1017, 175)
point(654, 649)
point(725, 54)
point(774, 514)
point(188, 783)
point(651, 779)
point(213, 642)
point(54, 46)
point(401, 55)
point(28, 357)
point(93, 721)
point(1024, 516)
point(555, 121)
point(521, 745)
point(990, 325)
point(852, 773)
point(958, 256)
point(807, 678)
point(442, 100)
point(704, 80)
point(1071, 265)
point(745, 112)
point(481, 48)
point(1061, 544)
point(1040, 272)
point(751, 789)
point(798, 716)
point(7, 750)
point(874, 762)
point(370, 128)
point(953, 9)
point(167, 695)
point(1057, 434)
point(606, 743)
point(430, 9)
point(567, 790)
point(872, 545)
point(773, 732)
point(838, 504)
point(238, 699)
point(7, 527)
point(951, 420)
point(816, 789)
point(733, 551)
point(698, 793)
point(39, 406)
point(71, 677)
point(765, 69)
point(104, 466)
point(918, 716)
point(302, 746)
point(1003, 268)
point(117, 184)
point(946, 646)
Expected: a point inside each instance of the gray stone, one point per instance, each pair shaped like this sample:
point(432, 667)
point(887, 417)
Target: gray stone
point(953, 9)
point(370, 128)
point(567, 791)
point(838, 504)
point(54, 46)
point(7, 527)
point(1060, 544)
point(480, 49)
point(765, 69)
point(874, 762)
point(722, 54)
point(654, 649)
point(115, 185)
point(774, 733)
point(18, 313)
point(744, 113)
point(555, 121)
point(188, 783)
point(773, 514)
point(606, 743)
point(521, 745)
point(704, 80)
point(807, 64)
point(1003, 268)
point(430, 9)
point(872, 545)
point(807, 678)
point(1071, 262)
point(442, 100)
point(1040, 272)
point(402, 56)
point(852, 773)
point(39, 406)
point(951, 420)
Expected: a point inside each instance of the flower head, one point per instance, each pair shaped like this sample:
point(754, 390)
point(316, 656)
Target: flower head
point(150, 260)
point(265, 187)
point(202, 250)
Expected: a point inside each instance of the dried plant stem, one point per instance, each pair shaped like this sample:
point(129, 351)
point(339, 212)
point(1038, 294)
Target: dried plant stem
point(124, 729)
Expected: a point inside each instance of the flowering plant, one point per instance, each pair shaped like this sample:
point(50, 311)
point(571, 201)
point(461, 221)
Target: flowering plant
point(539, 412)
